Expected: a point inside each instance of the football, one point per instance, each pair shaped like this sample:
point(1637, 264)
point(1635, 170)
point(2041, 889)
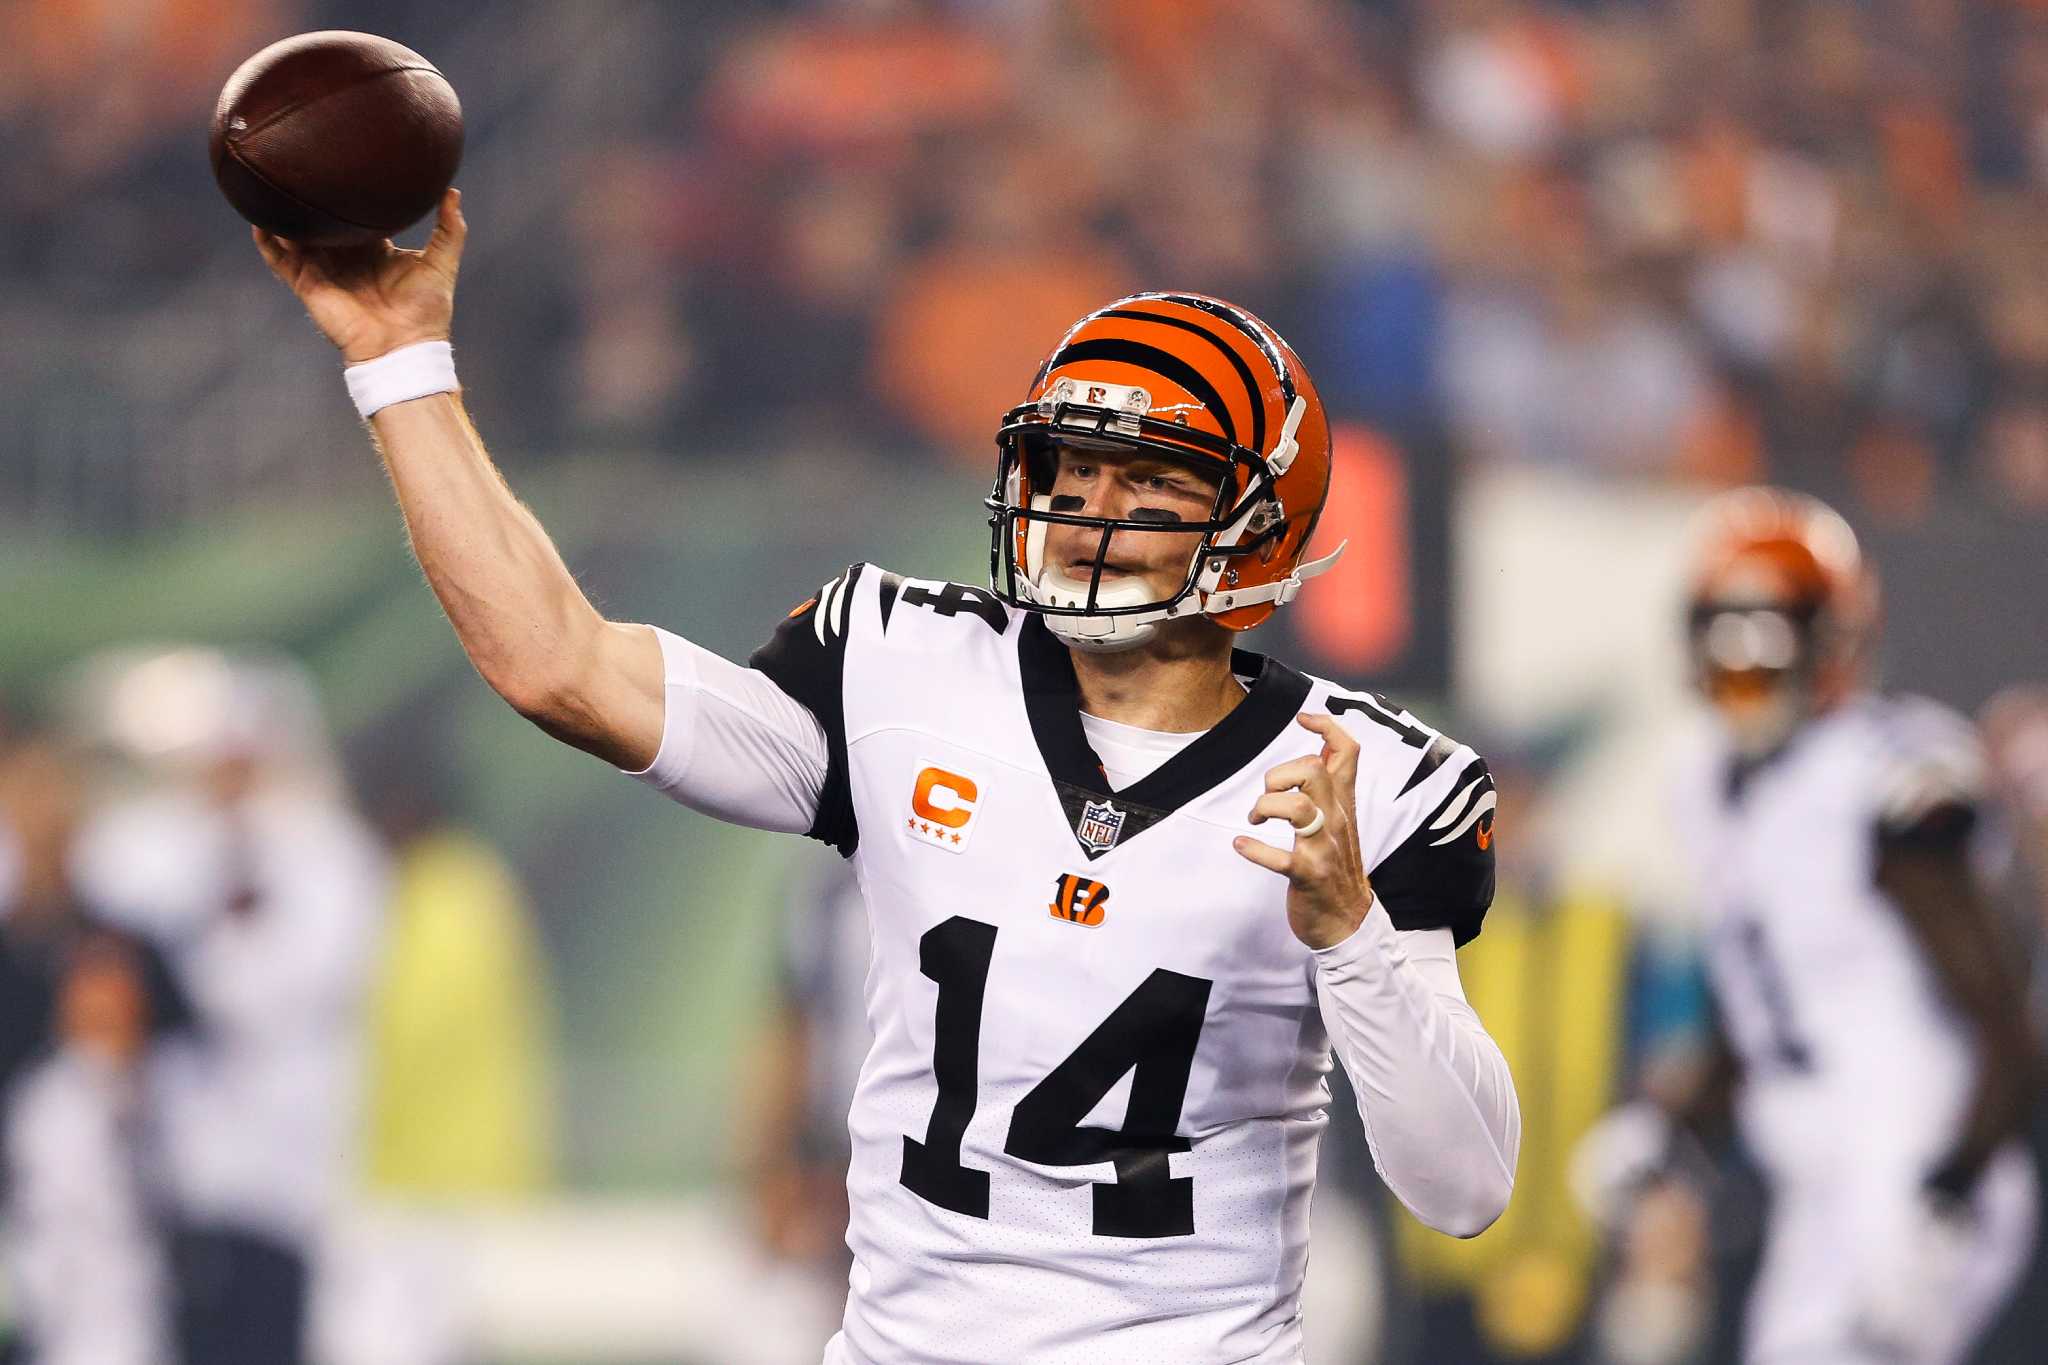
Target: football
point(336, 138)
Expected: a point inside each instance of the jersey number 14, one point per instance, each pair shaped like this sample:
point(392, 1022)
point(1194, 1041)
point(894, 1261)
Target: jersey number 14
point(1152, 1034)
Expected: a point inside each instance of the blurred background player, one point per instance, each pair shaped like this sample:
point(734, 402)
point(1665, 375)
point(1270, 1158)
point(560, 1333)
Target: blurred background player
point(2015, 726)
point(1876, 1052)
point(793, 1145)
point(239, 857)
point(84, 1251)
point(81, 1005)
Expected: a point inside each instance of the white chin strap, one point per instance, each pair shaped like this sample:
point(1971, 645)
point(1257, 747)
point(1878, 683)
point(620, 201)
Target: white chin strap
point(1101, 633)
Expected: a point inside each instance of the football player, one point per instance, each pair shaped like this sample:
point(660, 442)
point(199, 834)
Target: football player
point(1104, 994)
point(1874, 1047)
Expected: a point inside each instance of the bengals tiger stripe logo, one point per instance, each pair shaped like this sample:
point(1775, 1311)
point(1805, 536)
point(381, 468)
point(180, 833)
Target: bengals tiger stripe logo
point(1079, 900)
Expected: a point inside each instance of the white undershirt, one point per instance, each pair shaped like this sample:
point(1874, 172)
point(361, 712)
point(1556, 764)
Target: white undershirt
point(1130, 755)
point(1434, 1092)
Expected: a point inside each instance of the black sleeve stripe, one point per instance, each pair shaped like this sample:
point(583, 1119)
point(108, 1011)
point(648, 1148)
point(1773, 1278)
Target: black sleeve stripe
point(806, 658)
point(890, 585)
point(1441, 876)
point(1433, 758)
point(844, 615)
point(1942, 827)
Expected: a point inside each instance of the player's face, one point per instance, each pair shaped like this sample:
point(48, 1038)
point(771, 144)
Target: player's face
point(1106, 481)
point(1750, 660)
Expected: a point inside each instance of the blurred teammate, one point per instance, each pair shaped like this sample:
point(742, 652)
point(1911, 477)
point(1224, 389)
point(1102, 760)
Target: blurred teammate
point(1875, 1042)
point(1104, 1011)
point(240, 860)
point(801, 1087)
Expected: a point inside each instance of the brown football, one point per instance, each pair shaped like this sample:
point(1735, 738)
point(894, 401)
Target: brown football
point(335, 138)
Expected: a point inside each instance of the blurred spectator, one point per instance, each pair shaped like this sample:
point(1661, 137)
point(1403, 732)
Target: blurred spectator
point(84, 1252)
point(240, 860)
point(41, 802)
point(794, 1143)
point(79, 1003)
point(461, 1089)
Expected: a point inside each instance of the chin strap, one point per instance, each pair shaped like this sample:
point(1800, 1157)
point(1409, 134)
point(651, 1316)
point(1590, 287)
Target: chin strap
point(1286, 448)
point(1280, 593)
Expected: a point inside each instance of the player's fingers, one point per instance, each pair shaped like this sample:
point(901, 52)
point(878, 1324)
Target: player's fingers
point(1295, 772)
point(1264, 854)
point(1295, 807)
point(1340, 751)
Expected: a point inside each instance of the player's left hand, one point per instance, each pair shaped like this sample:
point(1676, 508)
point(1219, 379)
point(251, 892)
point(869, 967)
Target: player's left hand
point(1328, 893)
point(1907, 1294)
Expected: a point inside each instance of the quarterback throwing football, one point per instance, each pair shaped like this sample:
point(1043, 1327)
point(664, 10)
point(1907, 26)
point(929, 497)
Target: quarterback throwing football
point(1104, 995)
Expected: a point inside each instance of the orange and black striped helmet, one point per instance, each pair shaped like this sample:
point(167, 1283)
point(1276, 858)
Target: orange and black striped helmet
point(1780, 596)
point(1195, 379)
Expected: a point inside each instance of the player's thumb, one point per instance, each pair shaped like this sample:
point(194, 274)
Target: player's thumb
point(444, 246)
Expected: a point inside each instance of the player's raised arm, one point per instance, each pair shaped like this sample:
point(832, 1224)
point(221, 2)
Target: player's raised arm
point(524, 623)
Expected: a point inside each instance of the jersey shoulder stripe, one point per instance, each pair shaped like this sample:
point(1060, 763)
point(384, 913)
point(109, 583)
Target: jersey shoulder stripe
point(1931, 775)
point(806, 658)
point(861, 611)
point(1426, 812)
point(1441, 876)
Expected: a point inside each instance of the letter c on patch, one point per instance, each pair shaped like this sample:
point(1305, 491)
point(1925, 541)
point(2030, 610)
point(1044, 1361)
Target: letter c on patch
point(944, 798)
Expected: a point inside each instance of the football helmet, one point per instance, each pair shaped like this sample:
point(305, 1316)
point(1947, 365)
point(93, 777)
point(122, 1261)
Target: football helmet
point(1781, 614)
point(1188, 378)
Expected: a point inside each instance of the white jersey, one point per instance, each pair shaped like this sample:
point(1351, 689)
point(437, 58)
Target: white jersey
point(1824, 992)
point(255, 1107)
point(1087, 1127)
point(1856, 1073)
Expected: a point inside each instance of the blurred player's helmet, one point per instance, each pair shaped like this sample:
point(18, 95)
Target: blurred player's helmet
point(1195, 380)
point(1781, 614)
point(182, 708)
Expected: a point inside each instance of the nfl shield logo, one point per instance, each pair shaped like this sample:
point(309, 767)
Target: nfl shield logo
point(1100, 826)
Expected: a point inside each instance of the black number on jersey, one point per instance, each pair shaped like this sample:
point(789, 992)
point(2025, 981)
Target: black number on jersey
point(1383, 713)
point(1787, 1047)
point(953, 598)
point(1152, 1034)
point(956, 955)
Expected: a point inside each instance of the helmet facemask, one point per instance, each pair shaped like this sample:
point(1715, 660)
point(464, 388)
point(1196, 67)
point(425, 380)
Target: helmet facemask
point(1244, 519)
point(1758, 663)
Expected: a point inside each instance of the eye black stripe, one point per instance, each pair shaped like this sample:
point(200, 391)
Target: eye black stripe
point(1244, 371)
point(1152, 358)
point(1243, 324)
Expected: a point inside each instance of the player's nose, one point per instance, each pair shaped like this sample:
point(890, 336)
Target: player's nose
point(1107, 496)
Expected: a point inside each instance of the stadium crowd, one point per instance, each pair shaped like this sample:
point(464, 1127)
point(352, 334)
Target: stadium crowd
point(1697, 240)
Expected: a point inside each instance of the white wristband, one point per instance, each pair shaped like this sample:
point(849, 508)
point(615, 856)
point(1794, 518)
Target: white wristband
point(409, 372)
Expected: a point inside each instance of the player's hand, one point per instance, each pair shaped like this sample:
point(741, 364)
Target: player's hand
point(1328, 893)
point(370, 300)
point(1912, 1278)
point(1626, 1150)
